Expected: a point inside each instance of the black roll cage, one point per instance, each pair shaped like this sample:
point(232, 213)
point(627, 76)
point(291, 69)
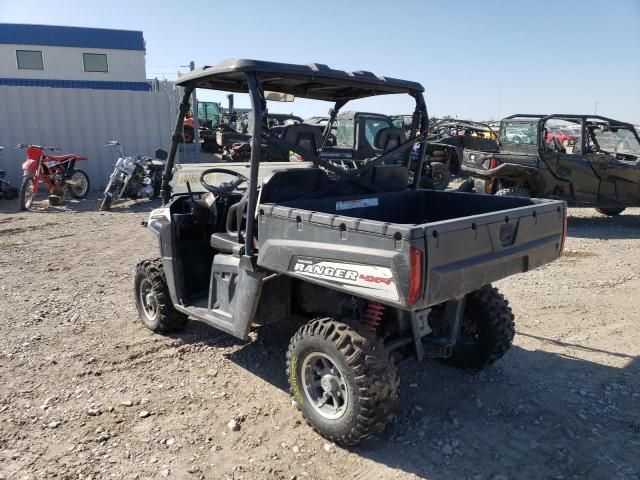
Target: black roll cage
point(254, 88)
point(458, 125)
point(584, 120)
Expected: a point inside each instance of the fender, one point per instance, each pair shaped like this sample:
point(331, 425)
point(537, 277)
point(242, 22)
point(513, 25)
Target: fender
point(30, 166)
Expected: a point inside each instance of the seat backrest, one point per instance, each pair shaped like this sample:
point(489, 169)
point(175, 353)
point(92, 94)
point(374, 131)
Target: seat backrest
point(389, 138)
point(290, 184)
point(389, 178)
point(306, 136)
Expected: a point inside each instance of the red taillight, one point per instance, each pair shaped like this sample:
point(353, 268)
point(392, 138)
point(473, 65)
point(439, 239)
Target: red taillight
point(415, 275)
point(493, 163)
point(565, 228)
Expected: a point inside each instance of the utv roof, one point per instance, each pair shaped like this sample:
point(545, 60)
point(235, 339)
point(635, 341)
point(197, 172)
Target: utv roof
point(315, 81)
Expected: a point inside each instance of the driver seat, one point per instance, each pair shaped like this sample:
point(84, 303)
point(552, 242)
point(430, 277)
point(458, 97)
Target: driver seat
point(227, 242)
point(281, 186)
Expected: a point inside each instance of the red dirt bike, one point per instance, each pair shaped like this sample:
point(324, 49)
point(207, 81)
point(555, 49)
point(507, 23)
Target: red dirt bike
point(58, 173)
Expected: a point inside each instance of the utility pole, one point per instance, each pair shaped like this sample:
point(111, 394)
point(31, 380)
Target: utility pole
point(196, 124)
point(595, 112)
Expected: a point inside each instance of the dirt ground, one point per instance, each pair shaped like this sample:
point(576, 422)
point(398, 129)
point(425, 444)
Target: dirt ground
point(86, 391)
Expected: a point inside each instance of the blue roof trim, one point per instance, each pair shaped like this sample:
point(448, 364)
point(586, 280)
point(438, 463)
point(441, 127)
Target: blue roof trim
point(56, 36)
point(97, 85)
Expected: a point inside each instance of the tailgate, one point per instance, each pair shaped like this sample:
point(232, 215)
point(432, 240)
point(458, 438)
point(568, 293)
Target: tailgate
point(462, 255)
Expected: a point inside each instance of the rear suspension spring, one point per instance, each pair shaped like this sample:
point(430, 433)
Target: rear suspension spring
point(373, 315)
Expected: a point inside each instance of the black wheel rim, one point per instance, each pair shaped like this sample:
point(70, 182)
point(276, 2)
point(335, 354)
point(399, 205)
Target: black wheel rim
point(148, 300)
point(469, 335)
point(324, 386)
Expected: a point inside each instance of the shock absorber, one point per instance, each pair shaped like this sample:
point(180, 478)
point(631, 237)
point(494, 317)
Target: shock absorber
point(372, 315)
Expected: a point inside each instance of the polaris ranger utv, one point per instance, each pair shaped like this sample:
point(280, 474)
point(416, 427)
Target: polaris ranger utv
point(600, 170)
point(371, 266)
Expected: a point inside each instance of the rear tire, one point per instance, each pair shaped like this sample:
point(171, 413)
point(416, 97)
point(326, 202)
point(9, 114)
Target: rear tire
point(487, 332)
point(610, 212)
point(153, 300)
point(352, 369)
point(26, 194)
point(81, 189)
point(514, 192)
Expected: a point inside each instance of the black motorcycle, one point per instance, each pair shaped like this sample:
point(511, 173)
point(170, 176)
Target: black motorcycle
point(7, 190)
point(134, 177)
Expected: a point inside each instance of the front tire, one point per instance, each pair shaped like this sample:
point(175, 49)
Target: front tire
point(153, 300)
point(26, 194)
point(610, 212)
point(105, 206)
point(487, 331)
point(80, 186)
point(343, 380)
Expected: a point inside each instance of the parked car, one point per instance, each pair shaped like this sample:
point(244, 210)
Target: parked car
point(565, 136)
point(602, 171)
point(371, 268)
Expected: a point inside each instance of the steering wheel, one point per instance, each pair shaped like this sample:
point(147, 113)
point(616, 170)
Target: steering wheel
point(225, 189)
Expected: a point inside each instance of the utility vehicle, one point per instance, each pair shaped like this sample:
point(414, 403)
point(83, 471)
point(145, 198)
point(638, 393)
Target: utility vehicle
point(448, 138)
point(353, 141)
point(601, 170)
point(372, 268)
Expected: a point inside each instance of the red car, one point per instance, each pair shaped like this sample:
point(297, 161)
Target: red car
point(565, 137)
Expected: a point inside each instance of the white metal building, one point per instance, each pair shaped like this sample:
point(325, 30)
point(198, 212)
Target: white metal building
point(76, 88)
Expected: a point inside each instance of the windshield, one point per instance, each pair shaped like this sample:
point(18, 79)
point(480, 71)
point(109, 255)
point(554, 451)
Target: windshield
point(519, 132)
point(345, 133)
point(372, 126)
point(619, 140)
point(209, 114)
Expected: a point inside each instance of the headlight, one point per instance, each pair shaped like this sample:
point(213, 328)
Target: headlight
point(128, 163)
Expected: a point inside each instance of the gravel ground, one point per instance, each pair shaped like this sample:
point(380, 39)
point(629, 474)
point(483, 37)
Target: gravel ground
point(88, 392)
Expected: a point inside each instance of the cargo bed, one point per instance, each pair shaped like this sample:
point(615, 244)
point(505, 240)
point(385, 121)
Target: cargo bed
point(373, 245)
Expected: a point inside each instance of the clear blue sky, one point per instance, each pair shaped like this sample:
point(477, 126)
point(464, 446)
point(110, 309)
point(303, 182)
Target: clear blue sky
point(476, 59)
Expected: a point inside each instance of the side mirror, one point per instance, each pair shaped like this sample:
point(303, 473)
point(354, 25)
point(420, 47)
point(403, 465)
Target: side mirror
point(161, 154)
